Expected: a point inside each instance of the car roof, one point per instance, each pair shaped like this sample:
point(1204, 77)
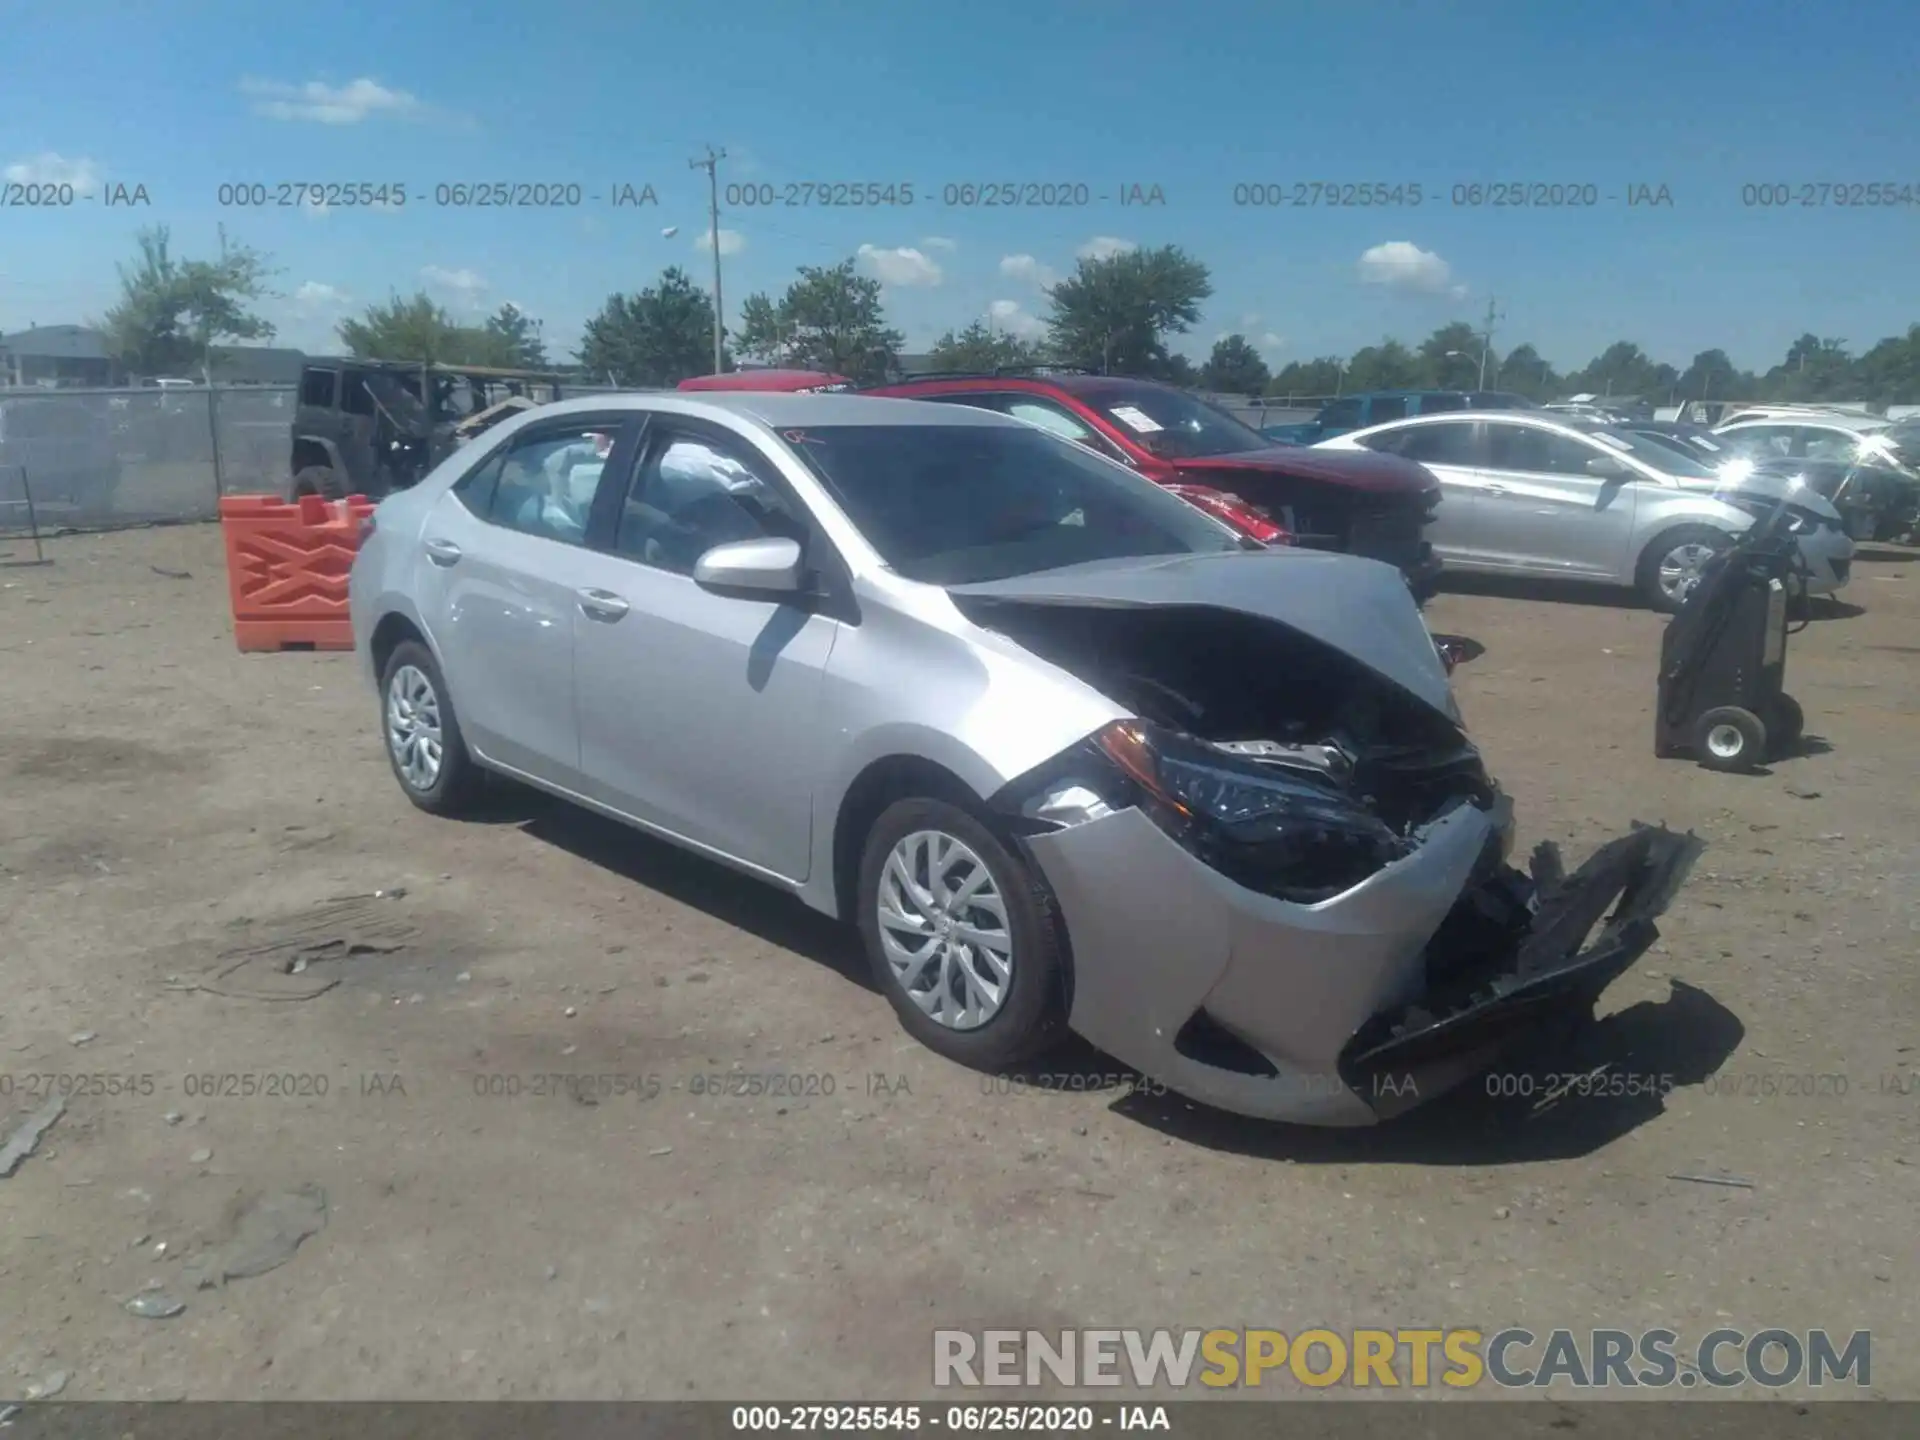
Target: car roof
point(1813, 420)
point(777, 408)
point(770, 379)
point(1073, 382)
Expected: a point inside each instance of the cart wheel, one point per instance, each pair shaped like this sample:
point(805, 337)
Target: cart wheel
point(1786, 722)
point(1729, 738)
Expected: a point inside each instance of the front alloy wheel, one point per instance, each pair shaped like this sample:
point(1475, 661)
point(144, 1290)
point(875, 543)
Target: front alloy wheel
point(943, 927)
point(961, 934)
point(414, 737)
point(1680, 570)
point(424, 744)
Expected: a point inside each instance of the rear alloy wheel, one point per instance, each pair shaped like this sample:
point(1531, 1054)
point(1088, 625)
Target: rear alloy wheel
point(1672, 565)
point(961, 936)
point(424, 745)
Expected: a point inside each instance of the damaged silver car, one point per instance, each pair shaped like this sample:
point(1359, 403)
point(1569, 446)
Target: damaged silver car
point(1067, 751)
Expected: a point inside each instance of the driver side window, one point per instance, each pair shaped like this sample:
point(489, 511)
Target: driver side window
point(693, 494)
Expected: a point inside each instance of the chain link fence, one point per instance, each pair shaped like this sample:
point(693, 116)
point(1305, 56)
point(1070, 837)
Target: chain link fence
point(105, 459)
point(102, 459)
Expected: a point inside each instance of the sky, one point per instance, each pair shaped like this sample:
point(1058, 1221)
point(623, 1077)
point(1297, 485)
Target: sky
point(1214, 106)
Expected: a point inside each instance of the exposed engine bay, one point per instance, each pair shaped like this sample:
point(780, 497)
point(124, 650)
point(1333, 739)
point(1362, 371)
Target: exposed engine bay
point(1266, 696)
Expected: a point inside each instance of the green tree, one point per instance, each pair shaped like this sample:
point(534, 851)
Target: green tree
point(654, 339)
point(1235, 368)
point(1623, 368)
point(172, 312)
point(830, 319)
point(1386, 366)
point(759, 337)
point(1114, 315)
point(1308, 378)
point(1450, 358)
point(519, 335)
point(418, 328)
point(1523, 372)
point(1890, 371)
point(1711, 376)
point(980, 347)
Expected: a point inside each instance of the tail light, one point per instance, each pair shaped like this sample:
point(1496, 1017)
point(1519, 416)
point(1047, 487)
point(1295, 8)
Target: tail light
point(1248, 519)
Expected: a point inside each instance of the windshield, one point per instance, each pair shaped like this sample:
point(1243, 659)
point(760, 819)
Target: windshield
point(1172, 424)
point(1668, 460)
point(959, 504)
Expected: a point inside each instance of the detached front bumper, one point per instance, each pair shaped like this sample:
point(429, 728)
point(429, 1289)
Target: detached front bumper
point(1351, 1010)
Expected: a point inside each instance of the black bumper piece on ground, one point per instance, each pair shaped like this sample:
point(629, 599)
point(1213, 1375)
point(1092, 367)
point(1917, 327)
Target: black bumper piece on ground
point(1534, 964)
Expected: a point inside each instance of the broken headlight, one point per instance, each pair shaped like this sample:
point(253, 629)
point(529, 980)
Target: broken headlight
point(1278, 828)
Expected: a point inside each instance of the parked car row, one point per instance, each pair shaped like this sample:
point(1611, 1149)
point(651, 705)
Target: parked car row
point(1066, 750)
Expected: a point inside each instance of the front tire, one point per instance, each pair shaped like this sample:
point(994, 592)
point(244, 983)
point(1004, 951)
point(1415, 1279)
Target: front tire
point(1670, 567)
point(424, 746)
point(962, 936)
point(318, 480)
point(1729, 739)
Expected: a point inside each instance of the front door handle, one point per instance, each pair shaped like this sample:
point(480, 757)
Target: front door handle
point(1495, 489)
point(442, 552)
point(601, 605)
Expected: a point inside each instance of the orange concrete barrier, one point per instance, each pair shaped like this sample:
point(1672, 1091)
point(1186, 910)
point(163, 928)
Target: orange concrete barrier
point(287, 565)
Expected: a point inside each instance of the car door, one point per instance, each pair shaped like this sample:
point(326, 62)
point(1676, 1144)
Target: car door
point(1543, 508)
point(497, 587)
point(1451, 449)
point(697, 710)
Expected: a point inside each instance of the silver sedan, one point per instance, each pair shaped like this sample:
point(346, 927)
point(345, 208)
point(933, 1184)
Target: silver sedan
point(1530, 493)
point(1065, 750)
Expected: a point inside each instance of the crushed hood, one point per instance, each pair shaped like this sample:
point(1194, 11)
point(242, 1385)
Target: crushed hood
point(1359, 607)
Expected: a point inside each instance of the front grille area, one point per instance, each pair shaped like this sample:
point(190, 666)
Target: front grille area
point(1393, 535)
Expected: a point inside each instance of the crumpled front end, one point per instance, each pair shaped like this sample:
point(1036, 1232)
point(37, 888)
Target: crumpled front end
point(1285, 884)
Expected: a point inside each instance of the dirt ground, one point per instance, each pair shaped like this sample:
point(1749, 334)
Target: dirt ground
point(172, 811)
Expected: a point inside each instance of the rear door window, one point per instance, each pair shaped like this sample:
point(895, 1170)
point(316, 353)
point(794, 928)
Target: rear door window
point(317, 388)
point(1387, 407)
point(1451, 443)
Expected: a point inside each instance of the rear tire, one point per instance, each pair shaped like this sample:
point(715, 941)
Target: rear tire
point(1786, 723)
point(318, 480)
point(1729, 739)
point(1669, 567)
point(988, 1006)
point(421, 734)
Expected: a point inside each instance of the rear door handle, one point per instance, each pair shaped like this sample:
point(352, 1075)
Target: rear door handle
point(442, 552)
point(601, 605)
point(1495, 489)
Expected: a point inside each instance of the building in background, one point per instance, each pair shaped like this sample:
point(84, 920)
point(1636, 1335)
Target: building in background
point(63, 355)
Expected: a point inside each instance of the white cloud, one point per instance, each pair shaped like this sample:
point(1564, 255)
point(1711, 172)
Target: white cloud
point(315, 296)
point(904, 266)
point(467, 280)
point(326, 104)
point(1249, 320)
point(1458, 292)
point(939, 242)
point(1008, 315)
point(51, 168)
point(1270, 341)
point(732, 242)
point(1402, 265)
point(1105, 247)
point(1028, 269)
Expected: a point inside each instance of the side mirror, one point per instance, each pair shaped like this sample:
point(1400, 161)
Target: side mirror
point(1606, 468)
point(768, 567)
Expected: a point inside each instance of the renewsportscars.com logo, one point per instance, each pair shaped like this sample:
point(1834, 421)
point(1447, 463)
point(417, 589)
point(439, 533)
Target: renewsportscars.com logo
point(1392, 1359)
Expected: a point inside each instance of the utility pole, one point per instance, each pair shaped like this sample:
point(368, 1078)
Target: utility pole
point(710, 163)
point(1486, 340)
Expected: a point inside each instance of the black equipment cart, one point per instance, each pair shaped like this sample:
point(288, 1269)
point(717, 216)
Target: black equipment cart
point(1723, 657)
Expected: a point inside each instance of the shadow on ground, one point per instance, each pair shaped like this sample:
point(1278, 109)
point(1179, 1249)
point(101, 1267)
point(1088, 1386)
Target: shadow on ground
point(1545, 592)
point(705, 885)
point(1627, 1063)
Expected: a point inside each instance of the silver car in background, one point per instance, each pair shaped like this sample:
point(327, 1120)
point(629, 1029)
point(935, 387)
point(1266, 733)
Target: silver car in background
point(1065, 750)
point(1529, 493)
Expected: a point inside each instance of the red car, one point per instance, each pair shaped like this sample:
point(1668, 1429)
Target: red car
point(1366, 504)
